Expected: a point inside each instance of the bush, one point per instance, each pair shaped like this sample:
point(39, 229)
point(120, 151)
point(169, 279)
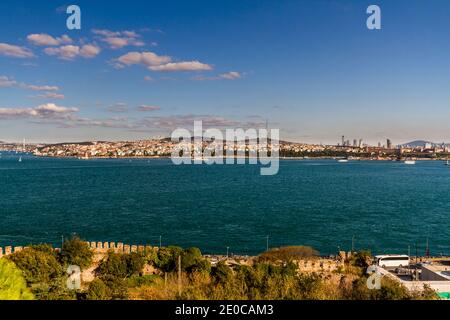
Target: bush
point(76, 252)
point(121, 266)
point(98, 290)
point(12, 283)
point(288, 254)
point(38, 264)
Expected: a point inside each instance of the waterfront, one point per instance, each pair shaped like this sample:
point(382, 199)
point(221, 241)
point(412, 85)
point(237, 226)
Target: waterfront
point(386, 205)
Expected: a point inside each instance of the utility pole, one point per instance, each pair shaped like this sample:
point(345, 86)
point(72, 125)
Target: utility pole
point(267, 243)
point(227, 251)
point(160, 241)
point(427, 253)
point(62, 242)
point(179, 275)
point(353, 243)
point(409, 251)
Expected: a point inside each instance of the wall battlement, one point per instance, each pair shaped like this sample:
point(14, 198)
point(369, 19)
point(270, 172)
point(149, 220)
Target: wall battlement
point(97, 247)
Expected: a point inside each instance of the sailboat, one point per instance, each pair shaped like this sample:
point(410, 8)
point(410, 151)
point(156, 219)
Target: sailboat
point(446, 164)
point(20, 159)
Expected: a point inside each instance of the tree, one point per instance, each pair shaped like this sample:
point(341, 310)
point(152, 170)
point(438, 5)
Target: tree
point(76, 252)
point(121, 266)
point(192, 260)
point(12, 283)
point(168, 257)
point(38, 264)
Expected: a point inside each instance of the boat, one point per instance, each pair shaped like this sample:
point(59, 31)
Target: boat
point(20, 159)
point(343, 160)
point(409, 162)
point(447, 164)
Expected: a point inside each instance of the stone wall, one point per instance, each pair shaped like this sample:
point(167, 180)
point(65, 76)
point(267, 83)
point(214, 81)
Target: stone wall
point(97, 247)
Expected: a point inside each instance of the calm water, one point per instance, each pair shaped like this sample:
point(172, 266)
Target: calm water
point(321, 203)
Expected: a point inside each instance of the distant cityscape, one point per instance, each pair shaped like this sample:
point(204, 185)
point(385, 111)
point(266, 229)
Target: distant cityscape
point(163, 147)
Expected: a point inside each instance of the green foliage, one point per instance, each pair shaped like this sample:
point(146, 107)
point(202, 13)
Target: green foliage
point(288, 254)
point(39, 264)
point(76, 252)
point(167, 258)
point(139, 281)
point(12, 283)
point(98, 290)
point(121, 266)
point(192, 260)
point(56, 289)
point(221, 273)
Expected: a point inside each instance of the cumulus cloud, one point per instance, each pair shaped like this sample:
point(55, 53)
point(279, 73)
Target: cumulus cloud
point(148, 59)
point(44, 111)
point(10, 50)
point(70, 52)
point(119, 39)
point(155, 62)
point(146, 107)
point(89, 51)
point(43, 39)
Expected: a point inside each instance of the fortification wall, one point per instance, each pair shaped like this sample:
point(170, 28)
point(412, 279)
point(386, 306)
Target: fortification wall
point(97, 247)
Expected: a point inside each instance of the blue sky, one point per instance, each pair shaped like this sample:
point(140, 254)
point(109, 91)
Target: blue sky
point(138, 69)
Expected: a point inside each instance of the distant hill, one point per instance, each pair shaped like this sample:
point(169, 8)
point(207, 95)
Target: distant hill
point(422, 143)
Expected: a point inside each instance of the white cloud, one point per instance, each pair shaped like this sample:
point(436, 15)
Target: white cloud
point(45, 111)
point(50, 95)
point(89, 51)
point(182, 66)
point(8, 82)
point(43, 39)
point(70, 52)
point(119, 39)
point(40, 88)
point(148, 78)
point(5, 82)
point(232, 75)
point(145, 58)
point(10, 50)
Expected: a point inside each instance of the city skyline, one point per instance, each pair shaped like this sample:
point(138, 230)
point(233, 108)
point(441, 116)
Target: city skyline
point(137, 71)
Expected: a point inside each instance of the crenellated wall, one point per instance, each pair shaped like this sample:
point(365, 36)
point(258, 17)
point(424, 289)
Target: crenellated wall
point(97, 247)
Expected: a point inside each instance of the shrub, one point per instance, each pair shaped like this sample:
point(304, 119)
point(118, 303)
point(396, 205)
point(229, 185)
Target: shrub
point(12, 283)
point(288, 254)
point(98, 290)
point(121, 266)
point(38, 264)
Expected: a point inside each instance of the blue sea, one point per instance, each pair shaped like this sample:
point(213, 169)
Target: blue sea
point(387, 207)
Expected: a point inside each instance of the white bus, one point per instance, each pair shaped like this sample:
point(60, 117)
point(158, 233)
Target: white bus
point(392, 261)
